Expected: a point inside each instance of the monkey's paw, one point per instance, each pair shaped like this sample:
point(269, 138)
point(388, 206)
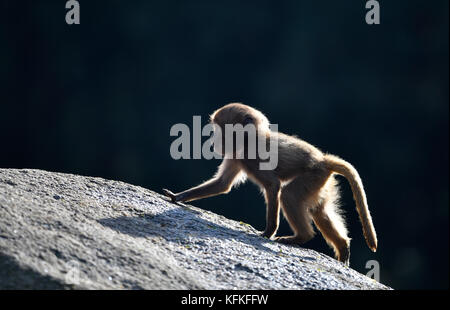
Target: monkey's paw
point(289, 240)
point(169, 194)
point(266, 234)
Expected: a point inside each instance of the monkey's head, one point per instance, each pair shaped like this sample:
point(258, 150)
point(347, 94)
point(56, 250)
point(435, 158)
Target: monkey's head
point(239, 114)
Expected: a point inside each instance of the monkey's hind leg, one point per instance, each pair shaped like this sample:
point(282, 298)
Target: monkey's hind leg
point(330, 222)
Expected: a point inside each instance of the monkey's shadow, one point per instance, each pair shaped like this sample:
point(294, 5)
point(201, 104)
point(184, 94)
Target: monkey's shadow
point(181, 225)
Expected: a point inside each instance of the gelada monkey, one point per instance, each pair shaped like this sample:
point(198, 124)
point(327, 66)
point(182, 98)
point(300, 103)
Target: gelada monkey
point(302, 185)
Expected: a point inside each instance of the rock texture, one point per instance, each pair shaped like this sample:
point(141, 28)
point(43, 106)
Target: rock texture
point(62, 231)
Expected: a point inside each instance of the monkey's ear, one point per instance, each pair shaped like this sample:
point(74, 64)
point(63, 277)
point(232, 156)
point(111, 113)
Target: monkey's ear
point(248, 120)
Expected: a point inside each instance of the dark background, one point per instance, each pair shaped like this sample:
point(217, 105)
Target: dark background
point(100, 98)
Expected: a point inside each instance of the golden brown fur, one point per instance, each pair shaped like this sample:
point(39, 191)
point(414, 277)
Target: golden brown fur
point(302, 185)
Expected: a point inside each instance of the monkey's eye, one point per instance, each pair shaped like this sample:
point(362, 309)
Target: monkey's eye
point(248, 120)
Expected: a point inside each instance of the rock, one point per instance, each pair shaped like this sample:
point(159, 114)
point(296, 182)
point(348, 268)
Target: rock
point(62, 231)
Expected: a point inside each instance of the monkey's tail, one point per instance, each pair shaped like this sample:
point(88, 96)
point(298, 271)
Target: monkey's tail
point(345, 169)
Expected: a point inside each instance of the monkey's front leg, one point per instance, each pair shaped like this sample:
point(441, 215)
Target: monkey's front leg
point(210, 188)
point(273, 210)
point(219, 184)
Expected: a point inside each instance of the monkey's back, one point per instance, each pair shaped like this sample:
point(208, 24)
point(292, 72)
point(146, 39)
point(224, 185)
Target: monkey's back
point(296, 156)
